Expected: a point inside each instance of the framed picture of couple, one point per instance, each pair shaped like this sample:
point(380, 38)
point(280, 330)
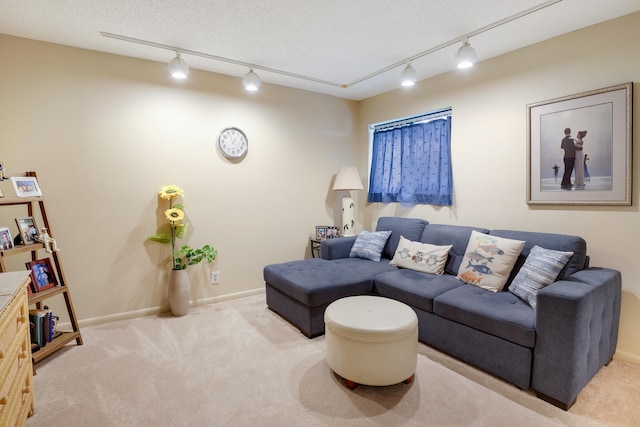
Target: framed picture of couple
point(579, 148)
point(28, 230)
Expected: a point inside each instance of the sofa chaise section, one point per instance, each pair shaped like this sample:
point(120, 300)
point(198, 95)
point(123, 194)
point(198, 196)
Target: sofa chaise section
point(299, 291)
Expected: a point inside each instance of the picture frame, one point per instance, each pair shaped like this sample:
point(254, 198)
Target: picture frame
point(26, 186)
point(563, 169)
point(321, 232)
point(332, 232)
point(28, 230)
point(6, 242)
point(42, 275)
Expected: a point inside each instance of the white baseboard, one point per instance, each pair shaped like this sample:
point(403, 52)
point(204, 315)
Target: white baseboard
point(157, 310)
point(624, 356)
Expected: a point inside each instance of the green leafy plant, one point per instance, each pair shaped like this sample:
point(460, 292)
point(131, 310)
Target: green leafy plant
point(185, 255)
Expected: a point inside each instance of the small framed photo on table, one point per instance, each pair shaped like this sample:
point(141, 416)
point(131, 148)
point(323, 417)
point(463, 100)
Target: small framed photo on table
point(28, 230)
point(42, 275)
point(321, 232)
point(332, 232)
point(26, 186)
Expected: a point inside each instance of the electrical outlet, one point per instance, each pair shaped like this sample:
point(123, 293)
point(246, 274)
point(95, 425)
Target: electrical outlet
point(215, 277)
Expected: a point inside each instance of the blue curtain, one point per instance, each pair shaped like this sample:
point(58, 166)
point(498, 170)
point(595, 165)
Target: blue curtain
point(412, 164)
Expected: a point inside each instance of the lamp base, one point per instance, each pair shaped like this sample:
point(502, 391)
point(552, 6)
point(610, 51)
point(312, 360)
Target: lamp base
point(348, 216)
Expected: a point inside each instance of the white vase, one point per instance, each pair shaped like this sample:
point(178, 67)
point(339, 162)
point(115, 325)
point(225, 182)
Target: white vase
point(179, 292)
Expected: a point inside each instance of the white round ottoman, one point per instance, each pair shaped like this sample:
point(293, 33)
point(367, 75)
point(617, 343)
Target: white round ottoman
point(371, 340)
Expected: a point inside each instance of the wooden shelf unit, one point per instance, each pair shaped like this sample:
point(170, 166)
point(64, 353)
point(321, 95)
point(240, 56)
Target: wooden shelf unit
point(33, 203)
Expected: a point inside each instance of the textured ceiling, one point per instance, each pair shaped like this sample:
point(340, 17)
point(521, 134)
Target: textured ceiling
point(331, 40)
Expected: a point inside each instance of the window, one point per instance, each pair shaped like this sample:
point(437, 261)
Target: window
point(411, 160)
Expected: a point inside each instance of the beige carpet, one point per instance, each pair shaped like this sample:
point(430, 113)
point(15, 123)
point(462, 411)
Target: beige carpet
point(238, 364)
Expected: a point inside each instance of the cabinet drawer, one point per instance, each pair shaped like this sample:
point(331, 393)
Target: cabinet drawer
point(26, 401)
point(20, 395)
point(17, 314)
point(16, 357)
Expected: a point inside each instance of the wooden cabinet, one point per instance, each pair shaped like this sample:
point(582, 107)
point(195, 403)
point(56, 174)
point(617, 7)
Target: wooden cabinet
point(16, 387)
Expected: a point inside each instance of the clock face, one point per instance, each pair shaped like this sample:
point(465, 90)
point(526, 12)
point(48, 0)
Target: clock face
point(233, 143)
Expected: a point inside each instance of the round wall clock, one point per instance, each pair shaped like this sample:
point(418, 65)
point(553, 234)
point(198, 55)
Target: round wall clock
point(233, 143)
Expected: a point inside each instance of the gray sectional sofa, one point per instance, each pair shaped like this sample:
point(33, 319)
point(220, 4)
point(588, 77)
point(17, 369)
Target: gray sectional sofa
point(554, 350)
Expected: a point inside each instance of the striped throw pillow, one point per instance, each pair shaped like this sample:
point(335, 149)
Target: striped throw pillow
point(369, 245)
point(540, 269)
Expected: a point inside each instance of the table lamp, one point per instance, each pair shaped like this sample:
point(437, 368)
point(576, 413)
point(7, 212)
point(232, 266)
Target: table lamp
point(348, 179)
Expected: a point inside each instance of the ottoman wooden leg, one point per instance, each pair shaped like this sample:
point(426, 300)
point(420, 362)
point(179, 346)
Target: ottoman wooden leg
point(409, 380)
point(350, 384)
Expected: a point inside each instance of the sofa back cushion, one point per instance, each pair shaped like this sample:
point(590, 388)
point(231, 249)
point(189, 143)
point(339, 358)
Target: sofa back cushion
point(455, 235)
point(410, 228)
point(556, 242)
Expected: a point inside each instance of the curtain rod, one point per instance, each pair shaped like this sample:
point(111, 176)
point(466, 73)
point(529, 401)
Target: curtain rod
point(432, 115)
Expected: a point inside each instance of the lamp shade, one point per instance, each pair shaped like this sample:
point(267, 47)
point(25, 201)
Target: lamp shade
point(466, 56)
point(251, 81)
point(178, 68)
point(348, 178)
point(408, 76)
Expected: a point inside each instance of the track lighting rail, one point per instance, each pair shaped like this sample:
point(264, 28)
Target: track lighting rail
point(406, 61)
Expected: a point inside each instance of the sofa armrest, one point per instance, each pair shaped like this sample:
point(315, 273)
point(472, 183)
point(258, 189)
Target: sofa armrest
point(576, 332)
point(336, 248)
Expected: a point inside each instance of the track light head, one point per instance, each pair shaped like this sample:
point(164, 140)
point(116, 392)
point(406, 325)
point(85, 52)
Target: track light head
point(251, 81)
point(178, 68)
point(466, 55)
point(408, 76)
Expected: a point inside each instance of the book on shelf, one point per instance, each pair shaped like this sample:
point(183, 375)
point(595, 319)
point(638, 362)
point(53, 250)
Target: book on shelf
point(36, 318)
point(42, 326)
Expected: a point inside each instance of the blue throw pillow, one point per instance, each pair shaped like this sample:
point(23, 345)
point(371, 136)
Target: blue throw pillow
point(369, 245)
point(541, 269)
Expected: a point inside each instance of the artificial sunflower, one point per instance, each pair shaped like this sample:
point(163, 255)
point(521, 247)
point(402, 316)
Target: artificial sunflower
point(168, 192)
point(186, 255)
point(174, 215)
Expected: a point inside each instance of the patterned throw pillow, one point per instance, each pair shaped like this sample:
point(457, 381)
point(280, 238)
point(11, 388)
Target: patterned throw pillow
point(488, 261)
point(369, 245)
point(540, 269)
point(420, 256)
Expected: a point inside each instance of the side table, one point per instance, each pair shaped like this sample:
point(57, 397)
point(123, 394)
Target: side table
point(315, 247)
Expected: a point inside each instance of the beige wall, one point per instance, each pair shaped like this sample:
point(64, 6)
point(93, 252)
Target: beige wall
point(104, 132)
point(489, 147)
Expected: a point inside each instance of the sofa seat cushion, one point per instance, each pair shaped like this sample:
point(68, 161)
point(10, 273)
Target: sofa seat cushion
point(414, 288)
point(314, 282)
point(497, 313)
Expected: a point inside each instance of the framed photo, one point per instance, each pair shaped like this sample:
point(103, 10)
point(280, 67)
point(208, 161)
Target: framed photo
point(332, 232)
point(28, 230)
point(26, 186)
point(42, 275)
point(6, 242)
point(579, 148)
point(321, 232)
